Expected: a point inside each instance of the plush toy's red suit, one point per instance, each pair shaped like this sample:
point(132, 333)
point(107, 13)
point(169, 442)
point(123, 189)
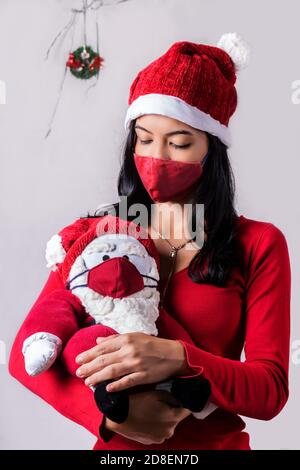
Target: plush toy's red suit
point(111, 271)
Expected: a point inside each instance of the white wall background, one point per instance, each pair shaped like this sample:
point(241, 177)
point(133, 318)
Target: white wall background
point(46, 184)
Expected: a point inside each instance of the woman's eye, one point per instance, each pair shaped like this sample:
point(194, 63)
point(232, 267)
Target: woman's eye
point(105, 257)
point(181, 146)
point(145, 142)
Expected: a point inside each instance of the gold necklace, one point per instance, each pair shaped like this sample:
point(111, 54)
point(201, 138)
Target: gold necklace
point(173, 256)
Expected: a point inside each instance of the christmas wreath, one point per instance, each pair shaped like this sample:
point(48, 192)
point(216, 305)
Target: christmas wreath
point(84, 62)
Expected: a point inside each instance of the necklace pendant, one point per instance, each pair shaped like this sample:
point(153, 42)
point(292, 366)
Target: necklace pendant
point(173, 252)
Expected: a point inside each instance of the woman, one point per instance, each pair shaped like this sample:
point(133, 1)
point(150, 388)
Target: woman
point(231, 292)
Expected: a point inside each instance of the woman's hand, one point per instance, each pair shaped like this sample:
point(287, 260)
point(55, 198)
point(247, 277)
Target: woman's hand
point(151, 417)
point(137, 358)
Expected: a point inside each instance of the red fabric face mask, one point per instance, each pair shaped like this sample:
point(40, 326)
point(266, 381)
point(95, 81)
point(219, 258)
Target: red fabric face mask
point(166, 179)
point(116, 277)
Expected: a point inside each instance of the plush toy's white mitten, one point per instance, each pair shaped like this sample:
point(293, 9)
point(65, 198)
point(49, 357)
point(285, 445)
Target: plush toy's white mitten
point(40, 350)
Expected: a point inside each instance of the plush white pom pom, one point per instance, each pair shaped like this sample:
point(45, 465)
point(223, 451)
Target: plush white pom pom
point(237, 48)
point(55, 252)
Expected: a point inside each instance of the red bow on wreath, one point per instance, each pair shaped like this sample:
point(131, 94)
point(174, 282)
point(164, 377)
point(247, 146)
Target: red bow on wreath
point(75, 64)
point(96, 63)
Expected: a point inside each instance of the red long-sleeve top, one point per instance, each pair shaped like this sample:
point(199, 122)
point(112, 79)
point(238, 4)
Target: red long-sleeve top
point(251, 312)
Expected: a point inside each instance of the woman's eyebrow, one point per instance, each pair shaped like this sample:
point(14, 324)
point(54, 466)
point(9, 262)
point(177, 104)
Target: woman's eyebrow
point(179, 131)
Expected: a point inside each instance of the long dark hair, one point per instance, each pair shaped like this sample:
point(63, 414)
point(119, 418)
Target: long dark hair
point(219, 253)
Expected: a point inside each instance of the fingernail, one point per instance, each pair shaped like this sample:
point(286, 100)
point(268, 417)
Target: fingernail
point(79, 372)
point(79, 359)
point(87, 382)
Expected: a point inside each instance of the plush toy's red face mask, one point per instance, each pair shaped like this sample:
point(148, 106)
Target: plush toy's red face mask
point(166, 179)
point(116, 277)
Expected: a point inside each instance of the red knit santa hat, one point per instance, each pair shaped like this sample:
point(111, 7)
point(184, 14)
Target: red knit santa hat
point(193, 83)
point(64, 247)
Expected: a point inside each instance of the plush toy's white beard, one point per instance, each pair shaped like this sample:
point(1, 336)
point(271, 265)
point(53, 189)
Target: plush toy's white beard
point(135, 313)
point(129, 314)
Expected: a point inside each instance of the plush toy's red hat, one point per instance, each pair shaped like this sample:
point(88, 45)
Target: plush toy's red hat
point(64, 247)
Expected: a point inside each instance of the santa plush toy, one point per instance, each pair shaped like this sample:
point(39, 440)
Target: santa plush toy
point(110, 268)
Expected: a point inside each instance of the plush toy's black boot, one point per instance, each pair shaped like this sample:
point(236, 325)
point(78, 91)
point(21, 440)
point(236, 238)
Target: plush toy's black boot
point(192, 392)
point(114, 405)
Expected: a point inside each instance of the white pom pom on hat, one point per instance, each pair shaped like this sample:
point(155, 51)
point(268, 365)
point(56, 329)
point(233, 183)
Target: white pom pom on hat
point(237, 48)
point(55, 252)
